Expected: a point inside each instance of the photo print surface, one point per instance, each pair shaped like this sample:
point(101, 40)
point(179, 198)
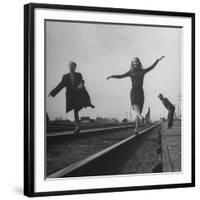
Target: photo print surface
point(113, 99)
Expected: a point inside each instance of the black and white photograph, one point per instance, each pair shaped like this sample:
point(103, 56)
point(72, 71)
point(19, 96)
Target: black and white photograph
point(106, 83)
point(109, 99)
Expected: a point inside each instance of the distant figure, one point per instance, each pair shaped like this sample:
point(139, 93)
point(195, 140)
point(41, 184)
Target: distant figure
point(147, 116)
point(77, 96)
point(136, 73)
point(170, 107)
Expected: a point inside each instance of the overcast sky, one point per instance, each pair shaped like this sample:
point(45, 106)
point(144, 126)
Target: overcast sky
point(101, 50)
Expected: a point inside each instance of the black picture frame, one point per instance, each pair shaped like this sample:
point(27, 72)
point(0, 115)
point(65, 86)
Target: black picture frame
point(29, 95)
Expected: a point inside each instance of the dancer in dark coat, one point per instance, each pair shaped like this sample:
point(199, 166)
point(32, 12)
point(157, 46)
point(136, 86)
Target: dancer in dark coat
point(77, 96)
point(136, 73)
point(170, 108)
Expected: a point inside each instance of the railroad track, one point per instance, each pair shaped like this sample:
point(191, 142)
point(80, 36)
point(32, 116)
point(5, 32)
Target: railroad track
point(53, 128)
point(86, 132)
point(97, 160)
point(69, 135)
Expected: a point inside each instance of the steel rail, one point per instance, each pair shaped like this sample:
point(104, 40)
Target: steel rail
point(93, 130)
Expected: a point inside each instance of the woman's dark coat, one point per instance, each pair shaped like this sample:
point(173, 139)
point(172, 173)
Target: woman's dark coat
point(75, 98)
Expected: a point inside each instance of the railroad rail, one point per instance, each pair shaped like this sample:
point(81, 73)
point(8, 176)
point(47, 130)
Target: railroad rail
point(104, 154)
point(93, 130)
point(56, 127)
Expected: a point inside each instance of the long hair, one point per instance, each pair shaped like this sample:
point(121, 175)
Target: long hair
point(139, 68)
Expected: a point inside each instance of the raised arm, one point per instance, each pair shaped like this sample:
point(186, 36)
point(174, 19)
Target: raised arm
point(58, 88)
point(154, 64)
point(119, 76)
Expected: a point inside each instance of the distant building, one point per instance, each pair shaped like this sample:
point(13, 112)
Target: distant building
point(85, 120)
point(162, 119)
point(106, 120)
point(92, 120)
point(124, 120)
point(113, 120)
point(100, 120)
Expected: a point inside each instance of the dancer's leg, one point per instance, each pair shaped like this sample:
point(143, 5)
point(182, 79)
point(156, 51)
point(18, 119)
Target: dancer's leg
point(136, 123)
point(170, 117)
point(137, 109)
point(76, 117)
point(173, 116)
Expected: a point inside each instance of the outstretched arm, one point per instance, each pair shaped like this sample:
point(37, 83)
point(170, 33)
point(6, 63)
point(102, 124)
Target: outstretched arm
point(57, 89)
point(119, 76)
point(154, 64)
